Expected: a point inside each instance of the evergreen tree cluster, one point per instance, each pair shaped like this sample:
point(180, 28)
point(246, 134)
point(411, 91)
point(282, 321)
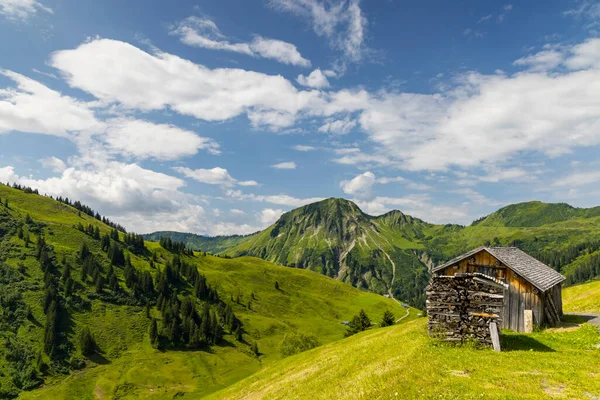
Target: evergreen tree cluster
point(89, 211)
point(360, 322)
point(135, 243)
point(176, 247)
point(93, 231)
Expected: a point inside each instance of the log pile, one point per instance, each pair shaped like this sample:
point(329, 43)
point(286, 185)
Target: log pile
point(461, 307)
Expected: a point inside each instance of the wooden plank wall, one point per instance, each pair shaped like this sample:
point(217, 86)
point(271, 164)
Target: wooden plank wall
point(520, 295)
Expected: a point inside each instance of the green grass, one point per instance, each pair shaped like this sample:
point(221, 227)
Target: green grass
point(403, 362)
point(584, 298)
point(126, 365)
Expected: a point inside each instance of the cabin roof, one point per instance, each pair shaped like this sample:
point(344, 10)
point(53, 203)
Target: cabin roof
point(534, 271)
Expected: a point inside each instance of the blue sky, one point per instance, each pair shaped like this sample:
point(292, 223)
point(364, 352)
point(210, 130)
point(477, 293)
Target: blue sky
point(215, 117)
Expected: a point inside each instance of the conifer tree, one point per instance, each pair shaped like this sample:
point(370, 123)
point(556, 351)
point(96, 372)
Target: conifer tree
point(388, 319)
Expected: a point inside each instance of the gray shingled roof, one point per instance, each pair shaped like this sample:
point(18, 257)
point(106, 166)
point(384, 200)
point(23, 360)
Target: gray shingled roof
point(537, 273)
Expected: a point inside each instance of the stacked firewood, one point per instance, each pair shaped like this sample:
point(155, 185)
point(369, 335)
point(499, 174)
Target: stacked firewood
point(461, 307)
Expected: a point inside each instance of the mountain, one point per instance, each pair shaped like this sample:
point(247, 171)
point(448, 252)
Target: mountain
point(335, 238)
point(67, 277)
point(392, 253)
point(210, 244)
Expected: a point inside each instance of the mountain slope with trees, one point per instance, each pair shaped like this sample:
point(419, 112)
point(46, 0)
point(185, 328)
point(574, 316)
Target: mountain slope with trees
point(80, 294)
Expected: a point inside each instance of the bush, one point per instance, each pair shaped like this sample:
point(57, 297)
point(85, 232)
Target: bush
point(297, 342)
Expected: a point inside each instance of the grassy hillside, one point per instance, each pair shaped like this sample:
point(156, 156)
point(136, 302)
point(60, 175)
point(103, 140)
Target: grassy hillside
point(210, 244)
point(125, 363)
point(584, 298)
point(402, 362)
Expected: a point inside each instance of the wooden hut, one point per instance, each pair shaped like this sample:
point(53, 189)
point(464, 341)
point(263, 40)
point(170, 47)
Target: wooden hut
point(529, 284)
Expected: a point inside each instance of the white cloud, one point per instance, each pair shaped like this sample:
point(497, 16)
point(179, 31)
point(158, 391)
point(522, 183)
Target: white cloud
point(579, 179)
point(509, 174)
point(34, 108)
point(279, 50)
point(109, 70)
point(359, 186)
point(386, 180)
point(236, 211)
point(143, 139)
point(542, 61)
point(111, 187)
point(475, 197)
point(285, 165)
point(338, 127)
point(585, 55)
point(54, 164)
point(21, 9)
point(304, 148)
point(268, 216)
point(341, 21)
point(279, 199)
point(202, 32)
point(484, 18)
point(315, 79)
point(214, 176)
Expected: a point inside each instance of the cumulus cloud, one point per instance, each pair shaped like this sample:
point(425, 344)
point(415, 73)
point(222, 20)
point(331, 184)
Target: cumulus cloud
point(315, 79)
point(285, 165)
point(359, 186)
point(214, 176)
point(109, 70)
point(268, 216)
point(20, 10)
point(53, 163)
point(34, 108)
point(340, 21)
point(144, 139)
point(203, 32)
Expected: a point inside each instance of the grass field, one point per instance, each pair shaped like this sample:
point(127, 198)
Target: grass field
point(402, 362)
point(584, 298)
point(127, 366)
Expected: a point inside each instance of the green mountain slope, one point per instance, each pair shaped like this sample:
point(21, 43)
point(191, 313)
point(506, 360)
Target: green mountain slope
point(335, 238)
point(536, 213)
point(403, 362)
point(124, 362)
point(210, 244)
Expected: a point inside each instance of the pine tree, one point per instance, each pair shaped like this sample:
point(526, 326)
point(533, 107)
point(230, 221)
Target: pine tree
point(26, 238)
point(388, 319)
point(276, 285)
point(254, 348)
point(359, 323)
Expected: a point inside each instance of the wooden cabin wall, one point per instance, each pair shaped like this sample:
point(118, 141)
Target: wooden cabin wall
point(520, 295)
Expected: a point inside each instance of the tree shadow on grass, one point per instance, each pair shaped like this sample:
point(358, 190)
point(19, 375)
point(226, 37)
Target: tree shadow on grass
point(98, 358)
point(523, 343)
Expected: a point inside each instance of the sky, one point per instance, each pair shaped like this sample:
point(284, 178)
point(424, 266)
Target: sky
point(215, 117)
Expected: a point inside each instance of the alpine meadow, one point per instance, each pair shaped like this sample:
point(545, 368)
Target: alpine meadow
point(299, 199)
